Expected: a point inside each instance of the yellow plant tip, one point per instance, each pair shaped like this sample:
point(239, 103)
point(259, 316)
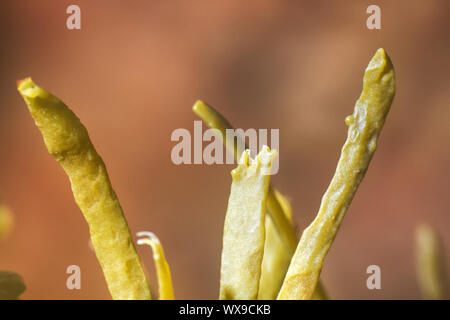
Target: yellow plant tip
point(212, 118)
point(162, 267)
point(265, 158)
point(429, 262)
point(262, 162)
point(11, 285)
point(29, 90)
point(244, 231)
point(68, 141)
point(379, 60)
point(364, 127)
point(202, 109)
point(215, 120)
point(6, 222)
point(24, 84)
point(244, 162)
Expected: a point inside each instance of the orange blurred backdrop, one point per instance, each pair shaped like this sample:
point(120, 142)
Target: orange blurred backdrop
point(132, 74)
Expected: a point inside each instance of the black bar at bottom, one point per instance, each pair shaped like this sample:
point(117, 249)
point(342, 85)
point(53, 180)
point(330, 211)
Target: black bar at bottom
point(212, 309)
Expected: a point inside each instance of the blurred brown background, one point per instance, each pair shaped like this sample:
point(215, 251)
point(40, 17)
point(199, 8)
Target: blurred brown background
point(132, 74)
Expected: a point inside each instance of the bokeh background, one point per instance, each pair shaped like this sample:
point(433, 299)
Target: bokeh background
point(132, 74)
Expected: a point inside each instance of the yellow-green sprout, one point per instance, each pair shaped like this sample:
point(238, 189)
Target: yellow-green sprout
point(233, 144)
point(68, 141)
point(365, 125)
point(6, 221)
point(244, 231)
point(162, 267)
point(282, 239)
point(429, 263)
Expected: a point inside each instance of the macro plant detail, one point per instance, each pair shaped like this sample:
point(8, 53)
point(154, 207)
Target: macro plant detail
point(262, 257)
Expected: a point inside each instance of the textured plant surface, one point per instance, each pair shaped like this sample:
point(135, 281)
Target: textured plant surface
point(262, 258)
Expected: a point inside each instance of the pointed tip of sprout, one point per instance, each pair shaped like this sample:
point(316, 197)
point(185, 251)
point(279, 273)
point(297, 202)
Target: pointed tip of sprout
point(26, 82)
